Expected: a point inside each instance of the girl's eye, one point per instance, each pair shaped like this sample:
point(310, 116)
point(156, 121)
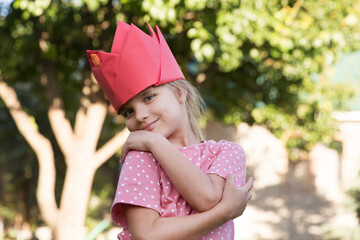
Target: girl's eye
point(127, 113)
point(148, 98)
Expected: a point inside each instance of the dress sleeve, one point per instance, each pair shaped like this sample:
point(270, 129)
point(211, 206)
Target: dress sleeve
point(138, 185)
point(229, 159)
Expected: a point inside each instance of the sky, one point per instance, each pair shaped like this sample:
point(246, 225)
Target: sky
point(4, 6)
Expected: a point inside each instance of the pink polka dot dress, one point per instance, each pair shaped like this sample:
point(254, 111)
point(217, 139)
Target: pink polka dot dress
point(143, 182)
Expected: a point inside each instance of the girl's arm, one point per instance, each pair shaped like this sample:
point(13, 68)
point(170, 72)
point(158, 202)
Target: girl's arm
point(145, 223)
point(201, 191)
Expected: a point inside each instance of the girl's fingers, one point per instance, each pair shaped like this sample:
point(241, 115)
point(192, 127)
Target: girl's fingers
point(249, 183)
point(123, 154)
point(249, 196)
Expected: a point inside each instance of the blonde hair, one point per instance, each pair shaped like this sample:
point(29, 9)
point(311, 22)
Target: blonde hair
point(194, 104)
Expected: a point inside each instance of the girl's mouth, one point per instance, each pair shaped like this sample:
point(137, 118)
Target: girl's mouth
point(150, 126)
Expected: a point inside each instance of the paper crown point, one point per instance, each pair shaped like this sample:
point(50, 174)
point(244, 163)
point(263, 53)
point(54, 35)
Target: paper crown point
point(136, 61)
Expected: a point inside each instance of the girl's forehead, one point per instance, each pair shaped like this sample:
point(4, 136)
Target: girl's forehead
point(143, 93)
point(149, 90)
point(140, 95)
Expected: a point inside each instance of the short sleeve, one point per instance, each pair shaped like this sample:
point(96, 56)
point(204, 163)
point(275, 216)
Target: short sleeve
point(230, 159)
point(138, 185)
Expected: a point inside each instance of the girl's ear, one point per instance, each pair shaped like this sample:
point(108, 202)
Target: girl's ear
point(181, 95)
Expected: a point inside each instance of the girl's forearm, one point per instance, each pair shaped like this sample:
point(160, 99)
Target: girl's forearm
point(195, 186)
point(146, 223)
point(185, 227)
point(196, 226)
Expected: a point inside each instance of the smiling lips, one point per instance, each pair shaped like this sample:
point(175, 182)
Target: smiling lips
point(150, 126)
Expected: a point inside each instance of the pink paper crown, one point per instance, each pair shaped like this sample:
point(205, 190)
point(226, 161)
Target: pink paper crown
point(136, 62)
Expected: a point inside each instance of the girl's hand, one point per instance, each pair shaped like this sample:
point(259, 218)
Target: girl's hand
point(138, 140)
point(234, 200)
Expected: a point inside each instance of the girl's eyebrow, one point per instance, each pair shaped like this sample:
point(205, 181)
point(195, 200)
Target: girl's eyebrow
point(141, 94)
point(146, 91)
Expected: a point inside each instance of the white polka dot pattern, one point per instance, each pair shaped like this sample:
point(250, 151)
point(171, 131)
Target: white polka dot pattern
point(144, 183)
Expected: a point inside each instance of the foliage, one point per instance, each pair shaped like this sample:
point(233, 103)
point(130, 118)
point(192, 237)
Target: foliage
point(266, 62)
point(18, 174)
point(354, 193)
point(269, 63)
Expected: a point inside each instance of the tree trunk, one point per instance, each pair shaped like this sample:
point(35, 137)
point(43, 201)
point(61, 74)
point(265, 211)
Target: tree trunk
point(81, 156)
point(74, 202)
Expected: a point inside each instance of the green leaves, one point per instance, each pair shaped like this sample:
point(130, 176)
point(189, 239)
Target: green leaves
point(162, 11)
point(195, 5)
point(256, 61)
point(94, 5)
point(269, 51)
point(31, 8)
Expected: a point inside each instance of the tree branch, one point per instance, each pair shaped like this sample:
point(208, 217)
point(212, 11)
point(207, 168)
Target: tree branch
point(92, 121)
point(43, 150)
point(80, 118)
point(60, 125)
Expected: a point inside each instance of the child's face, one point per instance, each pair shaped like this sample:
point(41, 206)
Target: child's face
point(157, 109)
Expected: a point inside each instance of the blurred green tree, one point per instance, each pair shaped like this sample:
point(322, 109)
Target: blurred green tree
point(265, 62)
point(269, 62)
point(44, 43)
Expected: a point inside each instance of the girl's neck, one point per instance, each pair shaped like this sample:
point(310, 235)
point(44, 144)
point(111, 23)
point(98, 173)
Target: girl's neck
point(184, 136)
point(184, 141)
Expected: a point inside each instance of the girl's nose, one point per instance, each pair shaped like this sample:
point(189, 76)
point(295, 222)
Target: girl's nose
point(141, 114)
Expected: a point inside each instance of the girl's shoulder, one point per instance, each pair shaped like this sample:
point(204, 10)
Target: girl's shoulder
point(135, 153)
point(139, 157)
point(213, 146)
point(223, 146)
point(210, 142)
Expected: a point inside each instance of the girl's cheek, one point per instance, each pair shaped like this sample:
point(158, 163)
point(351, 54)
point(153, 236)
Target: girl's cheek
point(128, 124)
point(131, 125)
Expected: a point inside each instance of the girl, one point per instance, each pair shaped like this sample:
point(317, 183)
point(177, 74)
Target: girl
point(173, 184)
